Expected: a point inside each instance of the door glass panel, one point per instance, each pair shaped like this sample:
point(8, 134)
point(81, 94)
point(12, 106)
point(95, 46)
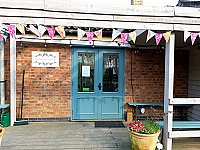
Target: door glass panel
point(86, 72)
point(110, 72)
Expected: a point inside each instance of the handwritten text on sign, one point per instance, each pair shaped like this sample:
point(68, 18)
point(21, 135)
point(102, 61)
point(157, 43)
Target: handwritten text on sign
point(45, 59)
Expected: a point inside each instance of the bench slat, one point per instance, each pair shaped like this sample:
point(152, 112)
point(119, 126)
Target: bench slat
point(182, 124)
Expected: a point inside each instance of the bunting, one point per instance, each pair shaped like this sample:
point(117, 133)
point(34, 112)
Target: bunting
point(81, 33)
point(34, 30)
point(51, 32)
point(133, 35)
point(116, 33)
point(41, 30)
point(61, 31)
point(90, 36)
point(150, 34)
point(1, 37)
point(140, 32)
point(186, 35)
point(193, 37)
point(167, 36)
point(11, 30)
point(99, 34)
point(158, 37)
point(20, 27)
point(124, 37)
point(5, 37)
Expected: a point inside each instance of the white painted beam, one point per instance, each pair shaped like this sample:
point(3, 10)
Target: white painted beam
point(2, 72)
point(168, 91)
point(185, 101)
point(13, 79)
point(179, 134)
point(76, 42)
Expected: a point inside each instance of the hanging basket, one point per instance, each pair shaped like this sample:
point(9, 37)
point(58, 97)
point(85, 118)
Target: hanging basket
point(143, 141)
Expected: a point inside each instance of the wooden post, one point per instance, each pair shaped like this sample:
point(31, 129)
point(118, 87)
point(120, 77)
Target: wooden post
point(168, 92)
point(13, 79)
point(2, 72)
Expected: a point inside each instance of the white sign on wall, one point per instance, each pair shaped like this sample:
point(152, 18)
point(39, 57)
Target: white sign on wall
point(45, 59)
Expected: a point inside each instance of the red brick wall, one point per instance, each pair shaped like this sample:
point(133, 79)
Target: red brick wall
point(148, 77)
point(47, 91)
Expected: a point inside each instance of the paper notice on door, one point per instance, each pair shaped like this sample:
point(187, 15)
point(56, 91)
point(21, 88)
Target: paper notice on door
point(85, 71)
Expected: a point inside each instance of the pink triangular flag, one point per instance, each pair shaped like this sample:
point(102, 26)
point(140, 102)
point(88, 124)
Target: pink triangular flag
point(11, 30)
point(90, 36)
point(1, 36)
point(158, 37)
point(193, 37)
point(51, 32)
point(124, 37)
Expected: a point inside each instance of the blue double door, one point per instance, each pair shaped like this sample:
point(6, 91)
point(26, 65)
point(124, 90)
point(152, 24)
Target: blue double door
point(97, 83)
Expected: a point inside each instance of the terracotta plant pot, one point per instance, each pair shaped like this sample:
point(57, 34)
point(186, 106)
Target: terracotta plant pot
point(143, 141)
point(1, 133)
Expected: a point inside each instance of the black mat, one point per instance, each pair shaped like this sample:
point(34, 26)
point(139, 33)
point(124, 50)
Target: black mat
point(109, 124)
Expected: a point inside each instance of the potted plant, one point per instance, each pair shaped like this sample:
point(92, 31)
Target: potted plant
point(2, 131)
point(144, 135)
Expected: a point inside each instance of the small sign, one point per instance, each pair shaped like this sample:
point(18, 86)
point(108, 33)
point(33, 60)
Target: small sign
point(85, 71)
point(45, 59)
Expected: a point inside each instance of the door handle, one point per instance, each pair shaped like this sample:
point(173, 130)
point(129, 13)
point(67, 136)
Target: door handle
point(99, 86)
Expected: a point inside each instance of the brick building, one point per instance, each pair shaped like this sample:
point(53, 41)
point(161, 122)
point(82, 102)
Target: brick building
point(96, 80)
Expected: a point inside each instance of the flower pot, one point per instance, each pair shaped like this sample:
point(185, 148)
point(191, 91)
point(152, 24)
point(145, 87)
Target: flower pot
point(2, 131)
point(143, 141)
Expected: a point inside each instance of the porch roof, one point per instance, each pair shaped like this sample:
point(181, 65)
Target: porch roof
point(103, 16)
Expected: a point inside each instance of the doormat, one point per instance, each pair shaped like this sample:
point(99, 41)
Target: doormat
point(109, 124)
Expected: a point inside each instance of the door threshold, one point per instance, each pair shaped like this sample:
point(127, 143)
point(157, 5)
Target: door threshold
point(85, 120)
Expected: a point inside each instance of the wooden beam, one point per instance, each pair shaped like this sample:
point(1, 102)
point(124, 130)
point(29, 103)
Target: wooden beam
point(179, 134)
point(30, 4)
point(182, 27)
point(168, 91)
point(185, 101)
point(187, 12)
point(152, 19)
point(75, 6)
point(76, 42)
point(13, 79)
point(6, 12)
point(24, 20)
point(109, 24)
point(2, 72)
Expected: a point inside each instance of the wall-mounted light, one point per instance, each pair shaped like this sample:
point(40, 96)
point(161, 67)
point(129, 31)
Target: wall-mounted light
point(21, 42)
point(93, 45)
point(45, 43)
point(70, 43)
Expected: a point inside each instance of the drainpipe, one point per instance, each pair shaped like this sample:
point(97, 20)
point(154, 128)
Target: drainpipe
point(2, 81)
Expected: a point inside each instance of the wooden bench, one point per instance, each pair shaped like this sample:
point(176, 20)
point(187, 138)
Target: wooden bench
point(182, 124)
point(141, 104)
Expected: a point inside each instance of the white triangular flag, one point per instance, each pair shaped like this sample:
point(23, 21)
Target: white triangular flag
point(34, 30)
point(116, 33)
point(41, 30)
point(139, 32)
point(81, 33)
point(186, 35)
point(150, 34)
